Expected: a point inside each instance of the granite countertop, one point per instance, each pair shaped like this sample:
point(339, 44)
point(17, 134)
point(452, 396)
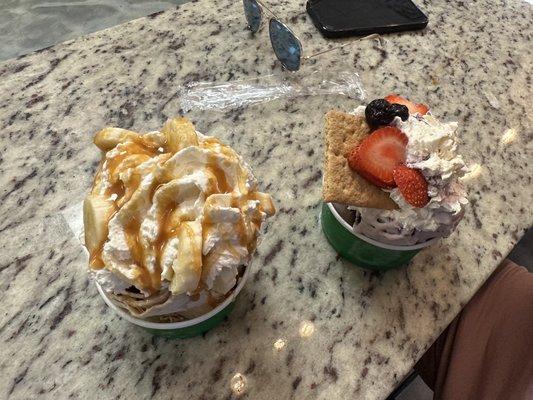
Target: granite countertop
point(307, 324)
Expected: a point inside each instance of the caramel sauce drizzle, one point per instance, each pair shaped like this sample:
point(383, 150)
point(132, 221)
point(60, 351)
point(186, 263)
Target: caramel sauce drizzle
point(151, 281)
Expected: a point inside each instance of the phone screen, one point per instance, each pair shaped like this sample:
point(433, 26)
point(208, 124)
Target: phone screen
point(338, 18)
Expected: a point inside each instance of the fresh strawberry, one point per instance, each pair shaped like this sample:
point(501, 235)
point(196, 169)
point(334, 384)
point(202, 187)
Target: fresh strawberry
point(412, 184)
point(378, 154)
point(413, 107)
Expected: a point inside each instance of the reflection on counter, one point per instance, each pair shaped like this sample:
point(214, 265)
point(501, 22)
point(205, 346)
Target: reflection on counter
point(238, 384)
point(509, 136)
point(307, 328)
point(279, 344)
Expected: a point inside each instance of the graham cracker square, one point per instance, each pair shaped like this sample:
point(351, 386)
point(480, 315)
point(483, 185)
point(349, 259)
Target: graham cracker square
point(341, 184)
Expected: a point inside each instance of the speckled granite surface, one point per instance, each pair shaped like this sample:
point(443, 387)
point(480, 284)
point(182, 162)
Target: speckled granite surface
point(58, 339)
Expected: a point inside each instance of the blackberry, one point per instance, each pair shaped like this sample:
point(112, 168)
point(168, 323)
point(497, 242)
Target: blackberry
point(378, 112)
point(399, 110)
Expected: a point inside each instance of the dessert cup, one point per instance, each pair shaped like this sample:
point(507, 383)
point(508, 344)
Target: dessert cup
point(172, 218)
point(360, 250)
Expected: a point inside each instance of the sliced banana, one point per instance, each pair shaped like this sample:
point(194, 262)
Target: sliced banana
point(97, 210)
point(169, 252)
point(180, 133)
point(188, 264)
point(109, 137)
point(155, 140)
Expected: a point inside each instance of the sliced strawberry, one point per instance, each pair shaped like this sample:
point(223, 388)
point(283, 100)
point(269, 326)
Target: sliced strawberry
point(412, 184)
point(378, 154)
point(413, 107)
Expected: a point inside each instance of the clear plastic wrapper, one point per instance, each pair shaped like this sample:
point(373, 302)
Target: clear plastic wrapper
point(241, 93)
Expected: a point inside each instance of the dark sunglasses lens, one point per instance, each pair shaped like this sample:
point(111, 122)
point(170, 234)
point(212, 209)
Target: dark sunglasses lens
point(286, 46)
point(252, 11)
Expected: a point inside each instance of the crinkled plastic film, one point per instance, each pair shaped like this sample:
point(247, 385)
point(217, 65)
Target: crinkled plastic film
point(241, 93)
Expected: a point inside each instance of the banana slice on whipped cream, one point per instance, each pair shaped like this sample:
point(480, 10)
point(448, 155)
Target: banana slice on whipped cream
point(171, 219)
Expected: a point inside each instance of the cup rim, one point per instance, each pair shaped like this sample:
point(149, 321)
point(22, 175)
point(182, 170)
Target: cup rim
point(374, 242)
point(175, 325)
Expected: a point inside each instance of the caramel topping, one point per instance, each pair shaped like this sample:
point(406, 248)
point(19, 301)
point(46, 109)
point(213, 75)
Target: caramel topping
point(222, 183)
point(95, 260)
point(125, 169)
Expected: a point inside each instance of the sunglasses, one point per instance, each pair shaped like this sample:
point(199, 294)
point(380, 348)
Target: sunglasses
point(285, 43)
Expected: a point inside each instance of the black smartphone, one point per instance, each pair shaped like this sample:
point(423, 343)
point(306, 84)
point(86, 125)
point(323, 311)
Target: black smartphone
point(342, 18)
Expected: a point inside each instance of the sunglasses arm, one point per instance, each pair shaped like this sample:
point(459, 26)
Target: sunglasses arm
point(373, 36)
point(266, 8)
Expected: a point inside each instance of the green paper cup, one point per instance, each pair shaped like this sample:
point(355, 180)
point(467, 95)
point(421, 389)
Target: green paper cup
point(361, 250)
point(182, 329)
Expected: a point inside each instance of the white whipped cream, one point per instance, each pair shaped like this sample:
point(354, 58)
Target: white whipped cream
point(191, 220)
point(109, 281)
point(431, 148)
point(359, 111)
